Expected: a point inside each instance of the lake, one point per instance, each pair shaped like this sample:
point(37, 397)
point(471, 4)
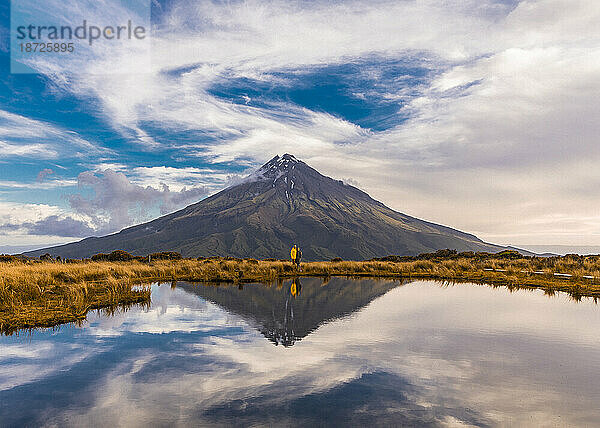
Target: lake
point(342, 352)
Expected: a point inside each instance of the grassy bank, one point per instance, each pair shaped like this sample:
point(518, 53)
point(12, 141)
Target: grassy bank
point(46, 293)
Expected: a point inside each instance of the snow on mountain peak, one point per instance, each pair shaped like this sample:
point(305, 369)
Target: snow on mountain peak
point(274, 169)
point(277, 166)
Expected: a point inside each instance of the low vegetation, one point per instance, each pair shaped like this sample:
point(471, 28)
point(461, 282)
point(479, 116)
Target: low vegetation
point(44, 294)
point(48, 292)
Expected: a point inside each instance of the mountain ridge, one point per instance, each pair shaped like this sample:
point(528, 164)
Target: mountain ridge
point(282, 203)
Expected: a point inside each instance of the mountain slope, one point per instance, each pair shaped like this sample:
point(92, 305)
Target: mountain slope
point(283, 203)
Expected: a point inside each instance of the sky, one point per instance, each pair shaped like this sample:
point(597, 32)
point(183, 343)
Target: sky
point(477, 114)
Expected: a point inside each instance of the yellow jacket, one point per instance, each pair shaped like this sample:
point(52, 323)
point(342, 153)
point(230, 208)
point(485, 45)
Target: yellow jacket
point(293, 253)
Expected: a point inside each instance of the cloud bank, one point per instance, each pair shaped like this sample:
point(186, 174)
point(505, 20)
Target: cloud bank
point(107, 202)
point(476, 114)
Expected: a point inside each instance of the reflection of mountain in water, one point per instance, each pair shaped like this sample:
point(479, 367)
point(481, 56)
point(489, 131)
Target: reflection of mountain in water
point(284, 318)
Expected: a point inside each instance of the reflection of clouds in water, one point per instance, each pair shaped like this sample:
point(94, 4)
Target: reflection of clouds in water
point(442, 358)
point(444, 339)
point(419, 350)
point(22, 363)
point(173, 310)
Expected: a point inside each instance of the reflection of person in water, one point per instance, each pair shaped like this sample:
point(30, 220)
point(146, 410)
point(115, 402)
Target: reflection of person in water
point(296, 287)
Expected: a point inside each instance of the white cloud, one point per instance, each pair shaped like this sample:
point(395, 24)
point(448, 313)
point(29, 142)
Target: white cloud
point(178, 178)
point(32, 150)
point(18, 223)
point(51, 184)
point(24, 363)
point(26, 137)
point(14, 211)
point(117, 202)
point(111, 196)
point(32, 224)
point(107, 201)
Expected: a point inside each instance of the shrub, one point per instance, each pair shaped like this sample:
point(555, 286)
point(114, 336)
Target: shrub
point(10, 258)
point(395, 259)
point(166, 255)
point(509, 254)
point(337, 260)
point(115, 256)
point(439, 254)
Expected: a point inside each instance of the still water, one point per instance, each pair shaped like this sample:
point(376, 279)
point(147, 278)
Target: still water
point(342, 352)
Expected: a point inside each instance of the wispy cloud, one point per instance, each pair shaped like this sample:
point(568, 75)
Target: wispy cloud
point(42, 151)
point(49, 184)
point(178, 178)
point(21, 136)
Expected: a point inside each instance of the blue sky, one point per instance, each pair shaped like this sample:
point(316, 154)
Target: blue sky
point(480, 115)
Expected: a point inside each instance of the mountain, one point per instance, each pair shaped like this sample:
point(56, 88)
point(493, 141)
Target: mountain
point(284, 202)
point(284, 318)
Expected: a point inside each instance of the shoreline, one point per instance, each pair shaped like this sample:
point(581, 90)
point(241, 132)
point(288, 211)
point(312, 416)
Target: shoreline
point(45, 293)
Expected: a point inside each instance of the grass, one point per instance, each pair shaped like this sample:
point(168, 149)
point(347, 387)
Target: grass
point(48, 294)
point(45, 293)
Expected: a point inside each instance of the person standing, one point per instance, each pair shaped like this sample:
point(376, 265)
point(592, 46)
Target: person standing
point(298, 257)
point(294, 254)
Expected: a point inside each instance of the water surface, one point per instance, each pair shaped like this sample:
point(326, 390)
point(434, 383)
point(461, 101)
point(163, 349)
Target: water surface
point(342, 352)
